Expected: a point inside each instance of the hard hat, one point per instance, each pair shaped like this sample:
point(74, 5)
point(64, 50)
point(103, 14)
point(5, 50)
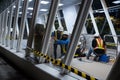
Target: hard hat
point(79, 43)
point(66, 33)
point(96, 34)
point(60, 29)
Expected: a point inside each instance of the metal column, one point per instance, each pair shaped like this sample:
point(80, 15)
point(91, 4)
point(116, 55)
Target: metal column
point(108, 19)
point(17, 31)
point(80, 22)
point(2, 26)
point(22, 25)
point(27, 27)
point(9, 25)
point(32, 25)
point(5, 27)
point(59, 21)
point(93, 20)
point(15, 23)
point(51, 19)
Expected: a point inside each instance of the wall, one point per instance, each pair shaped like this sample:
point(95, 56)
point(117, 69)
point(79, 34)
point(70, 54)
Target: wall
point(70, 15)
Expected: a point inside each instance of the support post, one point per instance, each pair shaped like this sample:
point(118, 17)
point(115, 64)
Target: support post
point(22, 25)
point(50, 21)
point(32, 25)
point(80, 22)
point(15, 23)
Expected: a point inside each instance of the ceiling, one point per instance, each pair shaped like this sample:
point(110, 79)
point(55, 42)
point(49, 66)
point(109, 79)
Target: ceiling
point(96, 4)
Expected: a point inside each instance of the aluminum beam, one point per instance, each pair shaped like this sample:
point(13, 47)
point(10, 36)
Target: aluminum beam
point(108, 19)
point(80, 22)
point(5, 27)
point(0, 26)
point(27, 27)
point(22, 25)
point(15, 23)
point(32, 25)
point(93, 21)
point(9, 25)
point(51, 19)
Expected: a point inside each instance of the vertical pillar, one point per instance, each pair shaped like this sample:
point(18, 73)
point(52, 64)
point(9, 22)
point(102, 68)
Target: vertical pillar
point(32, 25)
point(15, 23)
point(108, 19)
point(51, 19)
point(5, 26)
point(9, 25)
point(93, 20)
point(80, 22)
point(27, 27)
point(22, 25)
point(59, 21)
point(2, 26)
point(17, 31)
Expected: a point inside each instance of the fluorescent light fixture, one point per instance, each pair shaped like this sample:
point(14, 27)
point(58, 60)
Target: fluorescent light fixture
point(14, 6)
point(29, 0)
point(20, 12)
point(99, 11)
point(8, 11)
point(30, 13)
point(11, 29)
point(60, 4)
point(116, 2)
point(30, 8)
point(44, 2)
point(43, 10)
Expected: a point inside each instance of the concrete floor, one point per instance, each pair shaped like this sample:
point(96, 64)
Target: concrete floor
point(8, 73)
point(98, 70)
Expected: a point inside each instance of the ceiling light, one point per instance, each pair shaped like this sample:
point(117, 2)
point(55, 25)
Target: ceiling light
point(60, 4)
point(20, 12)
point(14, 6)
point(30, 8)
point(43, 9)
point(99, 11)
point(8, 11)
point(29, 0)
point(30, 13)
point(44, 2)
point(116, 2)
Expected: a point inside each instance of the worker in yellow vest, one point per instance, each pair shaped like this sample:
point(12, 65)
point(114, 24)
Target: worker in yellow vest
point(98, 46)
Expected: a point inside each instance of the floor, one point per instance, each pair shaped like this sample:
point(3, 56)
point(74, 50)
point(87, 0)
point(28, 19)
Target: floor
point(8, 73)
point(98, 70)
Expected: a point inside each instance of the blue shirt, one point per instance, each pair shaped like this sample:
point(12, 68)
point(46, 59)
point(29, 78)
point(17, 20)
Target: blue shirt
point(66, 42)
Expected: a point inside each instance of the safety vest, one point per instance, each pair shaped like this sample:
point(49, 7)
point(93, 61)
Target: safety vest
point(56, 35)
point(100, 44)
point(76, 54)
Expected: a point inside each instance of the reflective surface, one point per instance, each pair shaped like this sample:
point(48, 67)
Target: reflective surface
point(8, 73)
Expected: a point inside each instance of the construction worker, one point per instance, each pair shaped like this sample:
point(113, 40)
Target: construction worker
point(64, 42)
point(56, 35)
point(79, 51)
point(98, 46)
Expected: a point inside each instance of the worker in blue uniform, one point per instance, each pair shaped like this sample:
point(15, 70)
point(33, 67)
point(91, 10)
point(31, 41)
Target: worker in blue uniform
point(56, 35)
point(64, 42)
